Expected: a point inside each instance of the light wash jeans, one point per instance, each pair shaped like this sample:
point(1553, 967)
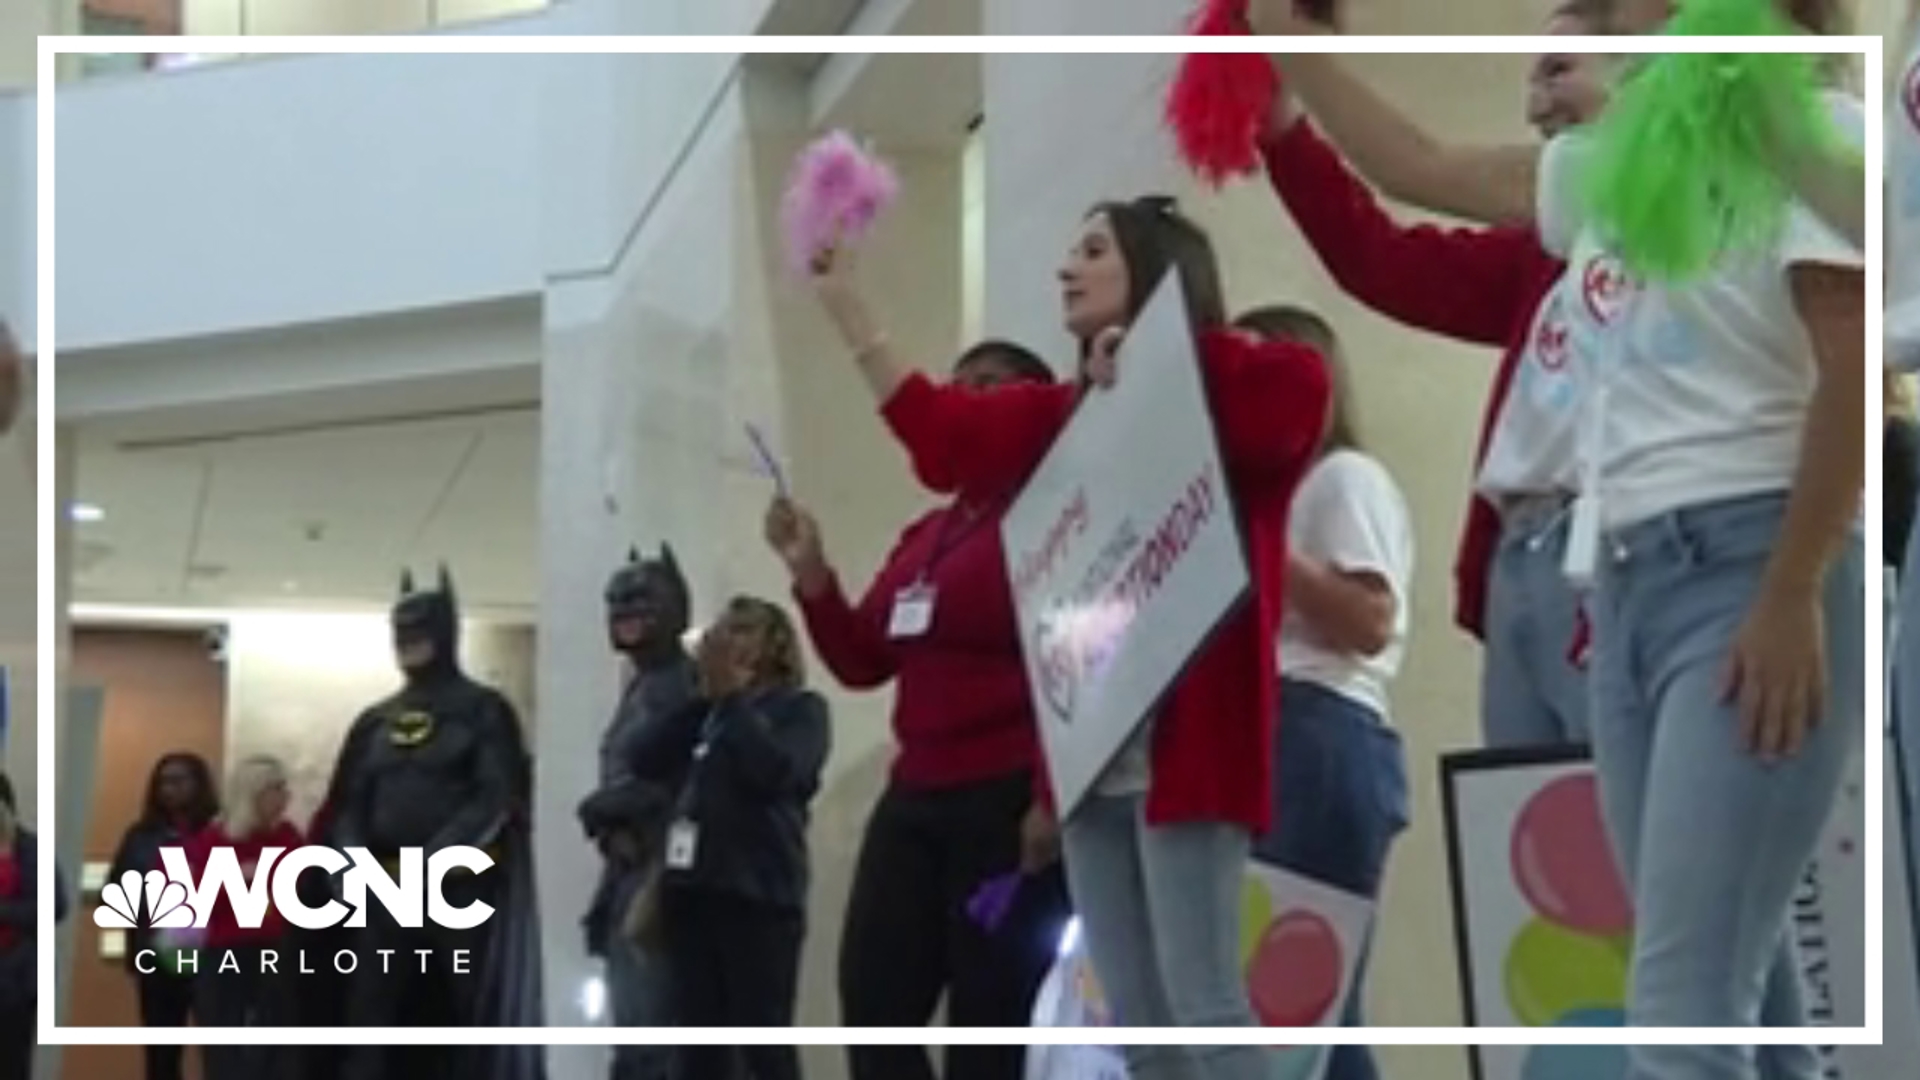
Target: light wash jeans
point(1160, 907)
point(1531, 692)
point(1713, 841)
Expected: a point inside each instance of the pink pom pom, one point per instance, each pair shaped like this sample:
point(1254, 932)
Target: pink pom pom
point(836, 191)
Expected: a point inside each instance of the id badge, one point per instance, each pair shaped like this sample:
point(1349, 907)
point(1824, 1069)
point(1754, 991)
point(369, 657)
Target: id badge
point(1583, 541)
point(912, 612)
point(683, 844)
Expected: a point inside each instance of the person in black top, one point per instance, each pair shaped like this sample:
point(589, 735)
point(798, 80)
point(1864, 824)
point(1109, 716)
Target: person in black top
point(19, 935)
point(745, 760)
point(439, 763)
point(180, 802)
point(647, 611)
point(1902, 458)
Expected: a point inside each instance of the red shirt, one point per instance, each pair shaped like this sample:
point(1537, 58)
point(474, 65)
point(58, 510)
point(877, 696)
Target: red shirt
point(1480, 285)
point(1213, 738)
point(223, 927)
point(961, 707)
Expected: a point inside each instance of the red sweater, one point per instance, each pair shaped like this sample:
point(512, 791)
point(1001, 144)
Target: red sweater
point(1213, 738)
point(223, 927)
point(961, 710)
point(1478, 285)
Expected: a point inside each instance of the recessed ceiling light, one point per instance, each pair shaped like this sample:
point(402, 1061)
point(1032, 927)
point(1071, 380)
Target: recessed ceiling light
point(85, 512)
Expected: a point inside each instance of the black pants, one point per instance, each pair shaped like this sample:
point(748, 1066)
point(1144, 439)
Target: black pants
point(165, 1001)
point(398, 993)
point(247, 997)
point(735, 963)
point(17, 1036)
point(908, 939)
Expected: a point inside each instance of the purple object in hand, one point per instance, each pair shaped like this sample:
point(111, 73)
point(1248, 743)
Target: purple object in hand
point(990, 903)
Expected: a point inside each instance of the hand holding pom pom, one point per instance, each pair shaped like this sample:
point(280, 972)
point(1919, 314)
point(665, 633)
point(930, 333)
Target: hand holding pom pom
point(1220, 103)
point(836, 192)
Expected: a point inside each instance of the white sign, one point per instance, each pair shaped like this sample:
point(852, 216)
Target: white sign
point(175, 900)
point(1544, 920)
point(1300, 947)
point(1123, 549)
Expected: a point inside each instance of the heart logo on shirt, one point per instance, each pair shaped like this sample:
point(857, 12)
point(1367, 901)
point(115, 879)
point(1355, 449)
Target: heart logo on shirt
point(1606, 287)
point(1551, 346)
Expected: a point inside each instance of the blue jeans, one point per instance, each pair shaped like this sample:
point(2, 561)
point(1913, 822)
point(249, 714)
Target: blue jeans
point(1713, 841)
point(1160, 906)
point(1340, 797)
point(1531, 692)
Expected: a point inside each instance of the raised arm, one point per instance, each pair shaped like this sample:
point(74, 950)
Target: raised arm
point(959, 439)
point(1474, 284)
point(1489, 184)
point(846, 638)
point(778, 745)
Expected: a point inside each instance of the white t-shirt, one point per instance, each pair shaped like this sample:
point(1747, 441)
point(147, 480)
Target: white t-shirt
point(1349, 514)
point(1699, 391)
point(1903, 213)
point(1532, 450)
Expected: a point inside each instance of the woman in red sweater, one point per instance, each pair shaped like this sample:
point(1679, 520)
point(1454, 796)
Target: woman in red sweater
point(1155, 855)
point(231, 989)
point(959, 808)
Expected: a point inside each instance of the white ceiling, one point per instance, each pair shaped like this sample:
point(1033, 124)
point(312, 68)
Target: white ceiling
point(316, 518)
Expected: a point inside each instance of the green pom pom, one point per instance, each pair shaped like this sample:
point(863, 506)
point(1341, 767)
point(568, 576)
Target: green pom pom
point(1685, 167)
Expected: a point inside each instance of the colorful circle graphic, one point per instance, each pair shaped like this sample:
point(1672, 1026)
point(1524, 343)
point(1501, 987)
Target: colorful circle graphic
point(1295, 975)
point(1579, 1062)
point(1553, 973)
point(1563, 863)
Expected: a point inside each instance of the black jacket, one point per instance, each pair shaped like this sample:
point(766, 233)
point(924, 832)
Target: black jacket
point(751, 766)
point(140, 852)
point(1902, 456)
point(19, 969)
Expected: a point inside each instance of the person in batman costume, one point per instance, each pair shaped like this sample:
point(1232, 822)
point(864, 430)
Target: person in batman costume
point(441, 763)
point(648, 611)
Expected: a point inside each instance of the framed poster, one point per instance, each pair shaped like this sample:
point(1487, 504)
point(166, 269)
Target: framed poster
point(1544, 922)
point(1123, 550)
point(1300, 945)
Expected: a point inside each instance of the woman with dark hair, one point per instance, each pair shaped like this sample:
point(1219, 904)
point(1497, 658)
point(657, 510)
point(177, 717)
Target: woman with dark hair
point(745, 760)
point(1156, 853)
point(180, 802)
point(20, 936)
point(959, 809)
point(1340, 773)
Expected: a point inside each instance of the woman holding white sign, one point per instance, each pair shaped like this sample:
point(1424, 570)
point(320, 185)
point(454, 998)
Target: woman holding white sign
point(1340, 774)
point(1155, 854)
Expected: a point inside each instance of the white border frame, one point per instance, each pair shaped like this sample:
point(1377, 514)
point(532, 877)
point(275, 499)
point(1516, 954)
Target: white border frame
point(49, 687)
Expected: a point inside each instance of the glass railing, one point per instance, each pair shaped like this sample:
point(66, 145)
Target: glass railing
point(244, 18)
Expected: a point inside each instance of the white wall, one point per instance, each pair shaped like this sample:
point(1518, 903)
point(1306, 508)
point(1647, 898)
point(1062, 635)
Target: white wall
point(296, 682)
point(18, 248)
point(299, 189)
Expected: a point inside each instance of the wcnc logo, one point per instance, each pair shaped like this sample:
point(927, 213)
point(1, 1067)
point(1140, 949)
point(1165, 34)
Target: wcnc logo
point(176, 900)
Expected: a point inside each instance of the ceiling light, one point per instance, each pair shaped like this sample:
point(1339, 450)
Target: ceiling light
point(85, 512)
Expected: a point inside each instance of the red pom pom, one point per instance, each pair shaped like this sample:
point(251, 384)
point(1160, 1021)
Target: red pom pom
point(1219, 102)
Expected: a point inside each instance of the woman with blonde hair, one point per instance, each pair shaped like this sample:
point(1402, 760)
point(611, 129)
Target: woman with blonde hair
point(231, 988)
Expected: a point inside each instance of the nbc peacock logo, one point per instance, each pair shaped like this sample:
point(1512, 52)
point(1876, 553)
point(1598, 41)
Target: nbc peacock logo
point(166, 903)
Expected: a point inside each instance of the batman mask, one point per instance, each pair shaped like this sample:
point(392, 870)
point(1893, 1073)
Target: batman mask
point(648, 606)
point(426, 629)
